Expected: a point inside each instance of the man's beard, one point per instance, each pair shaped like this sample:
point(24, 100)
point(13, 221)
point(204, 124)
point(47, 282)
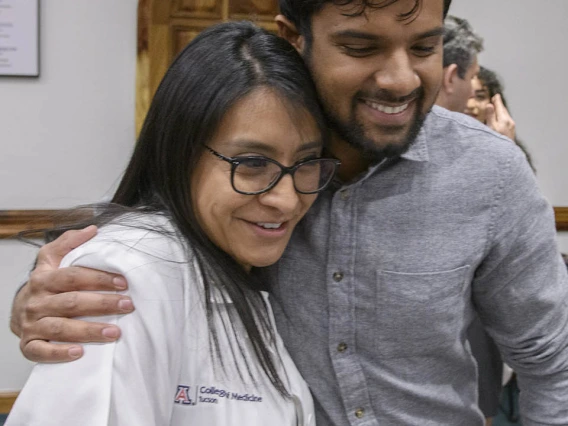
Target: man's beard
point(353, 132)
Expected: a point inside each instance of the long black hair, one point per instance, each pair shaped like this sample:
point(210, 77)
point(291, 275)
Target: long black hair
point(220, 66)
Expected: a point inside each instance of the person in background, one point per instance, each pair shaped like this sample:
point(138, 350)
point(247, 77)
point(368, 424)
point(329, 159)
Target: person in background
point(228, 161)
point(461, 47)
point(430, 217)
point(488, 105)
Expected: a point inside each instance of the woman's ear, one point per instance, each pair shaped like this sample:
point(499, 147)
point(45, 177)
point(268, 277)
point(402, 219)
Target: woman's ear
point(288, 31)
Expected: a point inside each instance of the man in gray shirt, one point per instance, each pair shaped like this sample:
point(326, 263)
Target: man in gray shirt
point(434, 216)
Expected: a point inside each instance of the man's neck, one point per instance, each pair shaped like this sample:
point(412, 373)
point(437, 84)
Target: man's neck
point(353, 161)
point(443, 101)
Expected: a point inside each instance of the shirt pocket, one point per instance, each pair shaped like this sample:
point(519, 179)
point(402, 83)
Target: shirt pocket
point(417, 314)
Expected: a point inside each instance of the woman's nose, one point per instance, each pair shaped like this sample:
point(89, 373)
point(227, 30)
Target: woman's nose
point(283, 196)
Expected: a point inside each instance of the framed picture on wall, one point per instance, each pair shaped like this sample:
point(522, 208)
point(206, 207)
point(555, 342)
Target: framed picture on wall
point(19, 38)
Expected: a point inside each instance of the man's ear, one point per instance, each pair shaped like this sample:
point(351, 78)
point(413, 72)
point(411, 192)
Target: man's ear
point(288, 31)
point(449, 79)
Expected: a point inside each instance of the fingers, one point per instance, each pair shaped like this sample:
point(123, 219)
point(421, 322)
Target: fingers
point(490, 116)
point(499, 119)
point(38, 349)
point(74, 304)
point(74, 279)
point(71, 330)
point(50, 255)
point(44, 324)
point(500, 109)
point(42, 311)
point(42, 351)
point(504, 122)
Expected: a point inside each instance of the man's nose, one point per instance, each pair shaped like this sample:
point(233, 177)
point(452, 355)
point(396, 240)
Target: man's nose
point(397, 74)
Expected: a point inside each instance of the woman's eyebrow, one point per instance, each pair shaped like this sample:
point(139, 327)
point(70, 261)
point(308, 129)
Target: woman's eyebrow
point(311, 145)
point(252, 145)
point(268, 149)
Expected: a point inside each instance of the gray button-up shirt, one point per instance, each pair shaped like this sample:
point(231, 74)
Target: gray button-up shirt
point(377, 288)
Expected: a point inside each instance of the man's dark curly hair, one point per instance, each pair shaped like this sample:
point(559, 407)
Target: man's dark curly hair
point(300, 12)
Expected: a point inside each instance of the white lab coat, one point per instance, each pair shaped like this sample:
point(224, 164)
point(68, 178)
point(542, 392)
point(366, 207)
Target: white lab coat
point(160, 372)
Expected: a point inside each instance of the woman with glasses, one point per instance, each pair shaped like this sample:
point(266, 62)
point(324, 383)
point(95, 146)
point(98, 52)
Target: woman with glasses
point(228, 161)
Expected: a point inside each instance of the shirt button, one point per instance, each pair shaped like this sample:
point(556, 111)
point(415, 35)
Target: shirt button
point(344, 194)
point(337, 276)
point(359, 413)
point(342, 347)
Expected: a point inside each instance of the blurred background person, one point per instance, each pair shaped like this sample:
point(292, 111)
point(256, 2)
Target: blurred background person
point(461, 47)
point(488, 105)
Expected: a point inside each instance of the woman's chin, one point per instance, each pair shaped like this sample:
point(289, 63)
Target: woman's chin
point(264, 259)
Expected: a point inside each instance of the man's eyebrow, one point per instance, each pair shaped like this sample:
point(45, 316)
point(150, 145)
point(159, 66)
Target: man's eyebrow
point(435, 32)
point(356, 34)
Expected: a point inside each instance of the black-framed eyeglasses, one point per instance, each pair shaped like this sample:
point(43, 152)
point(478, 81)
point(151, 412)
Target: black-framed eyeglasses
point(251, 175)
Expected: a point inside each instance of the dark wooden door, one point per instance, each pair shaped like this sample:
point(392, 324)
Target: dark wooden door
point(166, 26)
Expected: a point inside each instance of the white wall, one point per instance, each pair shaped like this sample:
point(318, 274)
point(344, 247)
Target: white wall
point(525, 43)
point(66, 136)
point(563, 241)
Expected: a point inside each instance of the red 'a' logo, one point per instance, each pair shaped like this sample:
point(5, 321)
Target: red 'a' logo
point(182, 395)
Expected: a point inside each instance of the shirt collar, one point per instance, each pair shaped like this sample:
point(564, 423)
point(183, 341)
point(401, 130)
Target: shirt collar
point(418, 151)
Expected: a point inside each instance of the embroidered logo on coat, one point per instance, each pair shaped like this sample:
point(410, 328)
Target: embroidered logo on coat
point(182, 396)
point(211, 395)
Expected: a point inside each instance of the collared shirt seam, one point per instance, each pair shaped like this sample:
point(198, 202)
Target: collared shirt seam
point(477, 127)
point(498, 197)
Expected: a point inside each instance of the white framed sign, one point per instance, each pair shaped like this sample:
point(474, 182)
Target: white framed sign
point(19, 38)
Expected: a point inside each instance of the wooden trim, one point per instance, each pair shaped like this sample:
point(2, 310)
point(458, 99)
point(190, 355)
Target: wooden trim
point(561, 214)
point(7, 400)
point(13, 222)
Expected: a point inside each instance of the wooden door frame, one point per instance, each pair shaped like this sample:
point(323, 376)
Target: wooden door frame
point(157, 29)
